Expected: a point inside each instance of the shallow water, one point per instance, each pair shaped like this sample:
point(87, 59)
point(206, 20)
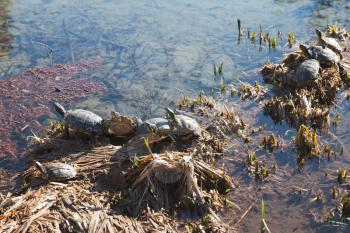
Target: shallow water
point(167, 46)
point(154, 51)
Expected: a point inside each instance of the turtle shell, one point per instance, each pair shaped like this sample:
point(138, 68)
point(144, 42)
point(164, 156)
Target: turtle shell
point(59, 171)
point(332, 44)
point(186, 125)
point(328, 42)
point(307, 71)
point(325, 56)
point(158, 124)
point(84, 120)
point(121, 125)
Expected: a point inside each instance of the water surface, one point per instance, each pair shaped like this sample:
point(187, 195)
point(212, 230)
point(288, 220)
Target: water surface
point(154, 51)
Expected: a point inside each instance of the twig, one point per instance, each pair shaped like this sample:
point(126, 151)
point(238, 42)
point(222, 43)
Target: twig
point(244, 214)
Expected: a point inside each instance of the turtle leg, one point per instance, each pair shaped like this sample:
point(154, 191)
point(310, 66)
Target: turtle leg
point(337, 67)
point(66, 131)
point(94, 138)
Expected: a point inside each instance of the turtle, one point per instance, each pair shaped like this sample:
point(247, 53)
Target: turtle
point(306, 72)
point(182, 125)
point(328, 42)
point(82, 120)
point(122, 125)
point(56, 171)
point(157, 125)
point(325, 56)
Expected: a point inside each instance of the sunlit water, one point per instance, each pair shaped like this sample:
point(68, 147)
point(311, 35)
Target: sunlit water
point(154, 51)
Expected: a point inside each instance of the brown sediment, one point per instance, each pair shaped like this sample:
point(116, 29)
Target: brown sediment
point(26, 96)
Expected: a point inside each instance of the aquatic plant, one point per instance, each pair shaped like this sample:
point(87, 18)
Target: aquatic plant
point(215, 72)
point(336, 120)
point(342, 175)
point(239, 28)
point(290, 39)
point(200, 100)
point(271, 143)
point(253, 37)
point(274, 42)
point(307, 144)
point(248, 91)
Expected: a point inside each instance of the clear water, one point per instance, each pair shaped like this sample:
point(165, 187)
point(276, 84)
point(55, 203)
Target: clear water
point(156, 50)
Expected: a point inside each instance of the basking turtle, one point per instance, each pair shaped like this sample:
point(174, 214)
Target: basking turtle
point(306, 72)
point(157, 125)
point(325, 56)
point(183, 125)
point(82, 120)
point(123, 126)
point(328, 42)
point(56, 171)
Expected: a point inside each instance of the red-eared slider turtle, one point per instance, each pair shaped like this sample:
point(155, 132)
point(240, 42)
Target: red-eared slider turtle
point(306, 72)
point(82, 120)
point(328, 42)
point(325, 56)
point(123, 126)
point(183, 125)
point(156, 125)
point(56, 171)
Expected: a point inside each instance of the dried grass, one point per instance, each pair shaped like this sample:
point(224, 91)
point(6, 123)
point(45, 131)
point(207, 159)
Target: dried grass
point(158, 185)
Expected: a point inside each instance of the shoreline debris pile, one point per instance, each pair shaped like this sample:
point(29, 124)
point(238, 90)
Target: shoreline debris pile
point(104, 188)
point(307, 82)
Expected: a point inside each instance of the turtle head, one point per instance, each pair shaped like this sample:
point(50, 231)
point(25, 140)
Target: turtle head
point(304, 49)
point(170, 113)
point(59, 108)
point(151, 127)
point(41, 168)
point(105, 125)
point(318, 34)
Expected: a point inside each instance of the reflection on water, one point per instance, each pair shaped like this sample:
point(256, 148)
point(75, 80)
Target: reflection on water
point(156, 50)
